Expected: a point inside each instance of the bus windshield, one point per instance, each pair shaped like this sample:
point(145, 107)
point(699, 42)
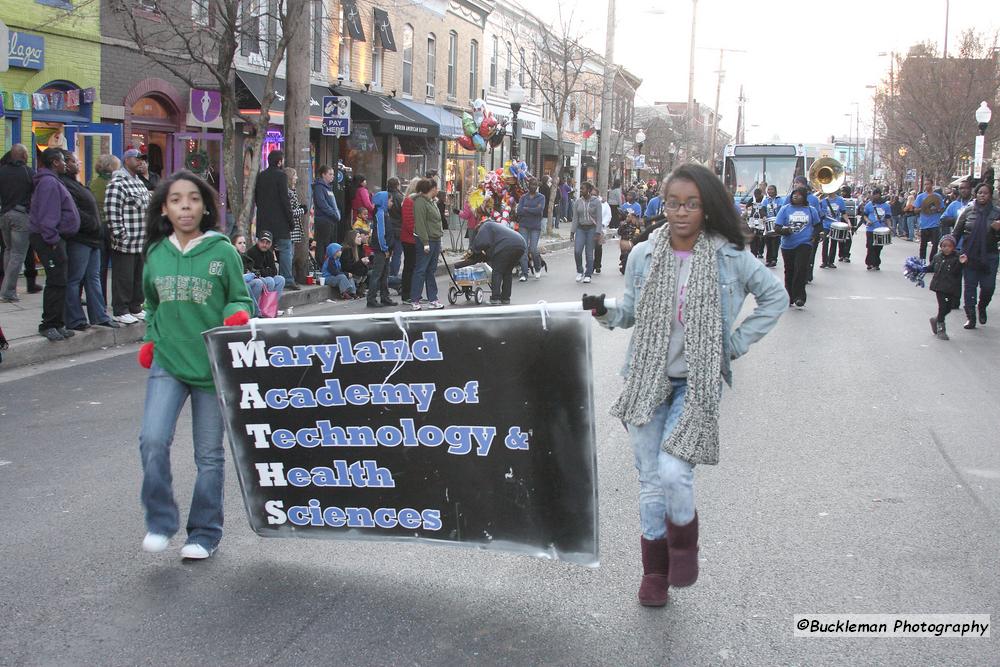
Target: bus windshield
point(744, 173)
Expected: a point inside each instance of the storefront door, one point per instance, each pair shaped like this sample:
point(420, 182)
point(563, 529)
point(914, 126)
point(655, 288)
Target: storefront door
point(201, 152)
point(88, 140)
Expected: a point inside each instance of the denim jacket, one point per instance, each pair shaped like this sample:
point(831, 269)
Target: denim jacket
point(740, 274)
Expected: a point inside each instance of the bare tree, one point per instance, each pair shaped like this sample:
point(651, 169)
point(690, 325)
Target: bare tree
point(197, 41)
point(927, 105)
point(661, 136)
point(560, 62)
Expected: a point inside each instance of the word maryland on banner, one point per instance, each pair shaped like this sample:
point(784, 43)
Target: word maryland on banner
point(472, 427)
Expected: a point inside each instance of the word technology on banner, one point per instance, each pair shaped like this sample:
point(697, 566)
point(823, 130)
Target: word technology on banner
point(336, 115)
point(471, 427)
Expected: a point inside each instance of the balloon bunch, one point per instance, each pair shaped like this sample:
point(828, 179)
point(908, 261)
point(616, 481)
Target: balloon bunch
point(482, 131)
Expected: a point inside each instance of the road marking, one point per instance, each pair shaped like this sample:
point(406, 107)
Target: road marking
point(4, 463)
point(987, 474)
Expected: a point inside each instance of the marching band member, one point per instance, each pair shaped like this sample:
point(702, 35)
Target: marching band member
point(878, 213)
point(798, 224)
point(950, 215)
point(754, 213)
point(832, 209)
point(929, 203)
point(844, 247)
point(771, 206)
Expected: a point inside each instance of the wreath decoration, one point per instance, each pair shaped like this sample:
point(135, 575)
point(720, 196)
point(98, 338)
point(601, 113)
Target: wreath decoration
point(196, 161)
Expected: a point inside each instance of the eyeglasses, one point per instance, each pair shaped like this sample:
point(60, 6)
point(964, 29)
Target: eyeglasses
point(690, 205)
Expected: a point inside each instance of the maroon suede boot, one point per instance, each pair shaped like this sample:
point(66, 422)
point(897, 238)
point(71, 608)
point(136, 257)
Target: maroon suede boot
point(683, 549)
point(655, 569)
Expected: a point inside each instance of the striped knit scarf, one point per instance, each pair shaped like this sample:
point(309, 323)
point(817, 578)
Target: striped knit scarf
point(695, 438)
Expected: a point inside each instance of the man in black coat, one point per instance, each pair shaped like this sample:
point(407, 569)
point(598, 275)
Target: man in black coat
point(274, 212)
point(503, 248)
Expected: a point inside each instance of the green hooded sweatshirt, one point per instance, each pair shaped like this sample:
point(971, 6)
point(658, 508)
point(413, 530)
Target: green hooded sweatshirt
point(187, 294)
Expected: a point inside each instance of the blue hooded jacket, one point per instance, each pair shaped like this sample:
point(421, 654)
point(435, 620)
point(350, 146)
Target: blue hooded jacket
point(378, 238)
point(331, 267)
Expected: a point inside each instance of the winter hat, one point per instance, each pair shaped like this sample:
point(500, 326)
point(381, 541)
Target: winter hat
point(948, 237)
point(132, 152)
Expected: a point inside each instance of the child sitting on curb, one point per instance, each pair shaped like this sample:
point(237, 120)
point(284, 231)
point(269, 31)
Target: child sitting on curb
point(335, 275)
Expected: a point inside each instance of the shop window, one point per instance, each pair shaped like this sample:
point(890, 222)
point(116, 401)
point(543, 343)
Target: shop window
point(149, 107)
point(407, 59)
point(411, 158)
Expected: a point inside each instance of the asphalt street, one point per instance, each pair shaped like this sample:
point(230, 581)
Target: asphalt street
point(859, 472)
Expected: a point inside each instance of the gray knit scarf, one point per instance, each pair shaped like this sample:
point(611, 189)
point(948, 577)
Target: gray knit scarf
point(695, 438)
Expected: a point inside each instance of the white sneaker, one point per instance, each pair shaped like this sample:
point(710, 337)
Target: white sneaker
point(522, 279)
point(537, 276)
point(579, 277)
point(194, 552)
point(127, 318)
point(281, 312)
point(154, 543)
point(586, 279)
point(415, 306)
point(141, 315)
point(435, 305)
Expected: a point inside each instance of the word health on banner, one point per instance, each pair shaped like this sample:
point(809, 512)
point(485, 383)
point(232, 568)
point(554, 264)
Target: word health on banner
point(452, 429)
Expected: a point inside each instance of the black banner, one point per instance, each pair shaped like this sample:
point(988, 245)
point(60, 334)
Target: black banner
point(353, 19)
point(383, 30)
point(471, 427)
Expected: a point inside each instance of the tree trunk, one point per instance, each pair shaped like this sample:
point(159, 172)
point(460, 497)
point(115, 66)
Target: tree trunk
point(297, 109)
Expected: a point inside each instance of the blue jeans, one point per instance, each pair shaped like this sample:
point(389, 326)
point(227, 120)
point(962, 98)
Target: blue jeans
point(424, 270)
point(257, 285)
point(283, 247)
point(397, 257)
point(666, 483)
point(911, 226)
point(84, 267)
point(985, 280)
point(586, 239)
point(342, 283)
point(531, 238)
point(165, 396)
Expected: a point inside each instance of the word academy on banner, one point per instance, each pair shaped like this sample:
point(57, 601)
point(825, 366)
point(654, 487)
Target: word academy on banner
point(455, 429)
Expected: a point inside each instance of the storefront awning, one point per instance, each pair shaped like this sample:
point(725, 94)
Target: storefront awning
point(449, 125)
point(550, 147)
point(253, 92)
point(391, 116)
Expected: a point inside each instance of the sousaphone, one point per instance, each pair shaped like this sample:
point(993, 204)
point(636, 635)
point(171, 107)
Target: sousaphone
point(827, 175)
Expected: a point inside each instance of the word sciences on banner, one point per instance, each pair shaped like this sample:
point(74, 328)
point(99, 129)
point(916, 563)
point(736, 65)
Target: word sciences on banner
point(471, 427)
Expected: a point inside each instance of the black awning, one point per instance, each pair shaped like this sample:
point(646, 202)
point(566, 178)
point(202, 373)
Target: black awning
point(383, 30)
point(550, 147)
point(353, 18)
point(389, 116)
point(253, 92)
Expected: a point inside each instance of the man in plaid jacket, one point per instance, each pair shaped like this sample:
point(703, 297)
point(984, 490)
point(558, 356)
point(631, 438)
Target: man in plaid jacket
point(125, 202)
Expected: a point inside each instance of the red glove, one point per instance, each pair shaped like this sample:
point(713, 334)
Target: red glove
point(237, 319)
point(146, 355)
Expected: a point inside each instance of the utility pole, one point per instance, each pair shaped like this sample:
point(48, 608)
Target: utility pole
point(690, 108)
point(604, 166)
point(947, 15)
point(715, 115)
point(297, 108)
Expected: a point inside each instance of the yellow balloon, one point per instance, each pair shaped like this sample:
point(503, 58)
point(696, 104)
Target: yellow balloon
point(476, 199)
point(482, 173)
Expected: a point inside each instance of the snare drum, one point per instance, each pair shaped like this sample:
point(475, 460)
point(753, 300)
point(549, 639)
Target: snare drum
point(768, 226)
point(840, 231)
point(881, 236)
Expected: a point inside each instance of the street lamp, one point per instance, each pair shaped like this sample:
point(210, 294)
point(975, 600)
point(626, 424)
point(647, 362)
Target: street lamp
point(983, 115)
point(902, 165)
point(640, 138)
point(516, 97)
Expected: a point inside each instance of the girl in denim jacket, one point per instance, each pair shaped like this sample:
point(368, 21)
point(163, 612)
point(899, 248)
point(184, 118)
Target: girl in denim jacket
point(684, 288)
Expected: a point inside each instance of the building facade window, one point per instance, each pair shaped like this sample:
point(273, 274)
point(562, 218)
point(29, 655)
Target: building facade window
point(250, 33)
point(494, 62)
point(522, 68)
point(431, 64)
point(199, 12)
point(407, 59)
point(473, 70)
point(377, 59)
point(452, 64)
point(346, 49)
point(534, 75)
point(272, 29)
point(317, 35)
point(510, 66)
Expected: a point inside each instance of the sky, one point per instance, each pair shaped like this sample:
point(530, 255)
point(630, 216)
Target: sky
point(805, 64)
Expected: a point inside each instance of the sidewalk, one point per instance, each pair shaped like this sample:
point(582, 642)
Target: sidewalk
point(20, 320)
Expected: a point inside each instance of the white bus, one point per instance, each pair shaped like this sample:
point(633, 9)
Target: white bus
point(745, 166)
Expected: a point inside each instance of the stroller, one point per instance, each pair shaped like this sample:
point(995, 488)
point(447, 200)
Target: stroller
point(470, 278)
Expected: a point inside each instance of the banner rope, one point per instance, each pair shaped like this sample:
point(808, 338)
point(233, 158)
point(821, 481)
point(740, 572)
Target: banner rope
point(543, 308)
point(398, 319)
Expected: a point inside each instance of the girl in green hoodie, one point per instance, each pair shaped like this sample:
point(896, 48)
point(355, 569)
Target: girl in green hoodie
point(192, 281)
